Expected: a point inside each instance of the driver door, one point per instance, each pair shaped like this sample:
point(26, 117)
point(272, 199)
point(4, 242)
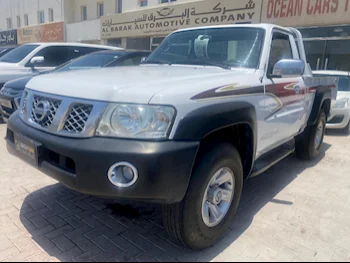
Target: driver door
point(286, 117)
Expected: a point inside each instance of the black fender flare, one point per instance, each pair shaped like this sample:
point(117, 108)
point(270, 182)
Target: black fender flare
point(202, 122)
point(323, 94)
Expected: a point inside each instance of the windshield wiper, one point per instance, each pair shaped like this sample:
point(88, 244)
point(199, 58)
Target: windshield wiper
point(160, 62)
point(213, 63)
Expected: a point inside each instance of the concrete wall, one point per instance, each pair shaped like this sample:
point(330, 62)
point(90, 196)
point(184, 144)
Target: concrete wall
point(87, 31)
point(64, 10)
point(13, 8)
point(110, 7)
point(68, 11)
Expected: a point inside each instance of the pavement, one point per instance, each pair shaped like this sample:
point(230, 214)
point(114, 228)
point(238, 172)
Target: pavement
point(296, 211)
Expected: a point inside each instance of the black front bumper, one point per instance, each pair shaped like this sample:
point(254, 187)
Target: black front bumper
point(82, 164)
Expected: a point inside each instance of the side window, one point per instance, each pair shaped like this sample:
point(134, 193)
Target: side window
point(82, 51)
point(137, 60)
point(280, 49)
point(134, 61)
point(54, 56)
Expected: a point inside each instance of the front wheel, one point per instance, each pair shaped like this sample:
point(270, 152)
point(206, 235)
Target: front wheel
point(309, 144)
point(211, 202)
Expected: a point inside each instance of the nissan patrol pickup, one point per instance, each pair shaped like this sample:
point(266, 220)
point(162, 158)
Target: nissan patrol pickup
point(209, 108)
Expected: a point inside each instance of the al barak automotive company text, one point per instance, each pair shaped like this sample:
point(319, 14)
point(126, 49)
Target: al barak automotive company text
point(165, 19)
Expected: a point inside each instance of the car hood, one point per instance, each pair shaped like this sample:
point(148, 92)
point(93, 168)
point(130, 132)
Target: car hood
point(134, 84)
point(343, 95)
point(18, 84)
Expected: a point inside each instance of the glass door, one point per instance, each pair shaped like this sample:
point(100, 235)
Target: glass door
point(337, 55)
point(315, 52)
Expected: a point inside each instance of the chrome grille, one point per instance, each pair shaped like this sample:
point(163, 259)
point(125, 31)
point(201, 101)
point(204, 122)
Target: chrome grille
point(77, 118)
point(46, 120)
point(24, 104)
point(64, 116)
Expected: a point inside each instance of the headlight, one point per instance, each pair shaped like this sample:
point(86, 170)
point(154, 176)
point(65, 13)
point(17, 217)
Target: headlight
point(136, 121)
point(18, 102)
point(341, 104)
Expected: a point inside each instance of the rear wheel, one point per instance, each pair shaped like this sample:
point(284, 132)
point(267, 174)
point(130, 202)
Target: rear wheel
point(211, 202)
point(309, 144)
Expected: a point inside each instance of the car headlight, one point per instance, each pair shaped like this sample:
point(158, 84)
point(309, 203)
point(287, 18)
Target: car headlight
point(18, 102)
point(136, 121)
point(341, 104)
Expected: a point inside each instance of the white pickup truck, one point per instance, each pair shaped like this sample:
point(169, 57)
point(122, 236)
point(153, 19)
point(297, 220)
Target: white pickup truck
point(209, 108)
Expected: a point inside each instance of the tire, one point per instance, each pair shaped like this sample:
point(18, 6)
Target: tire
point(346, 130)
point(185, 221)
point(307, 147)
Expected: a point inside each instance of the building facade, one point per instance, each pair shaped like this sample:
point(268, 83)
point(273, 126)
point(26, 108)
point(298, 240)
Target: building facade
point(143, 24)
point(72, 20)
point(325, 24)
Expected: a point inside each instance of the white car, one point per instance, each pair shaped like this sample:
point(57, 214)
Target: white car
point(28, 59)
point(340, 113)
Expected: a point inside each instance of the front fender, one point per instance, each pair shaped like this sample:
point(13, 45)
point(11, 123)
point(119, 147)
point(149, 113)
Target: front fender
point(203, 121)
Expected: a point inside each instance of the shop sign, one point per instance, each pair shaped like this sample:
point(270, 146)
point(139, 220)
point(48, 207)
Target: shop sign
point(8, 38)
point(53, 32)
point(162, 21)
point(306, 12)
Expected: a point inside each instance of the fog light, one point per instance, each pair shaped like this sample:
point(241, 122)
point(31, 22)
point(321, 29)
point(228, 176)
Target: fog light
point(122, 174)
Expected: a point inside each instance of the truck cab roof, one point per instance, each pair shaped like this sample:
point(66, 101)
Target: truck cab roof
point(264, 26)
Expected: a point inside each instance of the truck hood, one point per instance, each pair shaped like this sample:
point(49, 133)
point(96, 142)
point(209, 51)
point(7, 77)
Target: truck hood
point(134, 84)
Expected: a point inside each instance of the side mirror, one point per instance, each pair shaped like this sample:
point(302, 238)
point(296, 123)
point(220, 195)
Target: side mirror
point(143, 59)
point(35, 61)
point(288, 68)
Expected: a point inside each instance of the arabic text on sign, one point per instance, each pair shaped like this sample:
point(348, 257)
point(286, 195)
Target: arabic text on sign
point(217, 9)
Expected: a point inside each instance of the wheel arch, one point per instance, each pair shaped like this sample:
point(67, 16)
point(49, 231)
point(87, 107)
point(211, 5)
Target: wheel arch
point(232, 122)
point(323, 100)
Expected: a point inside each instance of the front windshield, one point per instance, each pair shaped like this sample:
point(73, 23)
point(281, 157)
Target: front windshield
point(91, 61)
point(344, 84)
point(231, 47)
point(18, 54)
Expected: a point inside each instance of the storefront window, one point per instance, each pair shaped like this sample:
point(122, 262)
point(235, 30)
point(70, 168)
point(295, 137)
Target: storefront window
point(156, 41)
point(337, 55)
point(326, 32)
point(114, 42)
point(327, 47)
point(143, 43)
point(315, 53)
